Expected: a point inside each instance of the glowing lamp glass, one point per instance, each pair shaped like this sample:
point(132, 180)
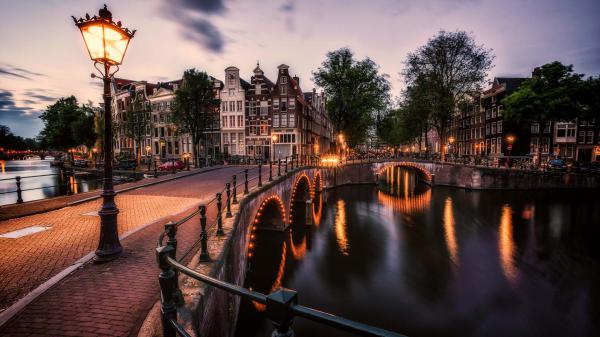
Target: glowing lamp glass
point(105, 42)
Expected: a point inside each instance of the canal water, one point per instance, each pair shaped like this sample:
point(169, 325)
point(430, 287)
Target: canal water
point(437, 262)
point(52, 184)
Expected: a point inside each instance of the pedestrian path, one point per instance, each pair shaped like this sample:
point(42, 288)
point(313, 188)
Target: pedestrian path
point(130, 280)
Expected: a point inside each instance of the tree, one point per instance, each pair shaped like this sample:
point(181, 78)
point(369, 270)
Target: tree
point(136, 122)
point(67, 125)
point(554, 92)
point(195, 106)
point(444, 71)
point(10, 141)
point(355, 92)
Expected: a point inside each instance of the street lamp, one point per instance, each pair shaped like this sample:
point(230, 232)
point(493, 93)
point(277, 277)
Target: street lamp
point(510, 140)
point(148, 149)
point(106, 42)
point(94, 154)
point(274, 139)
point(451, 142)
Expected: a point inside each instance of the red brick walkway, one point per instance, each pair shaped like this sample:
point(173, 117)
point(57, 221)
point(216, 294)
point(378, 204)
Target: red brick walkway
point(112, 299)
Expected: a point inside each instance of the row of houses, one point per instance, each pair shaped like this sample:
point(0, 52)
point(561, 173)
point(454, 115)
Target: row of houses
point(479, 129)
point(261, 119)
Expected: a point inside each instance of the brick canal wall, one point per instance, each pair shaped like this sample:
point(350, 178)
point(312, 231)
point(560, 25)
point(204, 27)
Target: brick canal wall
point(214, 312)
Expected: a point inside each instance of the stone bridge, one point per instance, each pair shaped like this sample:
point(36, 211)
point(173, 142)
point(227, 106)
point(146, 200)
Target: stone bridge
point(272, 207)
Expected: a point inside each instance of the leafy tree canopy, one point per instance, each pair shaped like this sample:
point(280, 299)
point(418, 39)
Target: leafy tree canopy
point(67, 125)
point(355, 92)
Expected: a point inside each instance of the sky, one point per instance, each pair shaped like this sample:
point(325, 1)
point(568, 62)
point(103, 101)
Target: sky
point(43, 56)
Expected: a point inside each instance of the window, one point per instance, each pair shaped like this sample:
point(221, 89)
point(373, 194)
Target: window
point(499, 110)
point(264, 128)
point(233, 138)
point(533, 145)
point(581, 138)
point(571, 130)
point(231, 91)
point(275, 104)
point(292, 103)
point(499, 145)
point(252, 108)
point(291, 121)
point(545, 145)
point(232, 106)
point(155, 147)
point(493, 128)
point(240, 121)
point(156, 132)
point(284, 121)
point(224, 124)
point(493, 149)
point(561, 131)
point(488, 114)
point(535, 128)
point(275, 120)
point(239, 106)
point(264, 108)
point(283, 105)
point(547, 127)
point(241, 138)
point(590, 137)
point(282, 89)
point(499, 126)
point(493, 112)
point(231, 80)
point(231, 121)
point(283, 79)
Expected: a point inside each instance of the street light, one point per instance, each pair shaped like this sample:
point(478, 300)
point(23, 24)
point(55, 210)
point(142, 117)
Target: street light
point(510, 140)
point(148, 149)
point(94, 154)
point(106, 42)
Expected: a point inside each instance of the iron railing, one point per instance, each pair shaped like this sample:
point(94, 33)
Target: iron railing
point(281, 306)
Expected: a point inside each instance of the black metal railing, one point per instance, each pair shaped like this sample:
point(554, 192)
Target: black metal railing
point(282, 305)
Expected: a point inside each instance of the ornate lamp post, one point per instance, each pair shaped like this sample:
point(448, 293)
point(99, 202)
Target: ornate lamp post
point(106, 42)
point(273, 141)
point(450, 146)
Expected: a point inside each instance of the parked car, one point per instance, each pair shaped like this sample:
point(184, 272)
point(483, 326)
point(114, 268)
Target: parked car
point(168, 165)
point(556, 165)
point(128, 164)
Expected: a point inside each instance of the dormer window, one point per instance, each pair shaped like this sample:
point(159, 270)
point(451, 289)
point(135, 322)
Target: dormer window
point(283, 80)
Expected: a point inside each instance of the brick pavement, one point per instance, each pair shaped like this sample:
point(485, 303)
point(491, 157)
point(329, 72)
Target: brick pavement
point(31, 260)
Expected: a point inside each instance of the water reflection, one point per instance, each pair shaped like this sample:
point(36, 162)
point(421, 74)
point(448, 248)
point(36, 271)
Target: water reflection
point(529, 262)
point(340, 227)
point(506, 244)
point(449, 234)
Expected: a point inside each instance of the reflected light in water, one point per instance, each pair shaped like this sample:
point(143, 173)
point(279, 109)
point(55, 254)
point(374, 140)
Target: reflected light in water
point(3, 164)
point(277, 284)
point(450, 235)
point(298, 251)
point(340, 227)
point(317, 215)
point(506, 244)
point(418, 203)
point(406, 183)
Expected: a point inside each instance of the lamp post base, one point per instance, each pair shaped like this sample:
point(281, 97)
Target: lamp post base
point(109, 247)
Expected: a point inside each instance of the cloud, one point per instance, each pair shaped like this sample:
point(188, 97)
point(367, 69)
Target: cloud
point(23, 121)
point(194, 18)
point(39, 97)
point(289, 10)
point(25, 74)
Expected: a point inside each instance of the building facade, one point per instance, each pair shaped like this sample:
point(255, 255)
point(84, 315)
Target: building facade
point(258, 115)
point(232, 114)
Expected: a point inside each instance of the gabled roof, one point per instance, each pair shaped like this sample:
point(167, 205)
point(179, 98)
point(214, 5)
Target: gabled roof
point(296, 87)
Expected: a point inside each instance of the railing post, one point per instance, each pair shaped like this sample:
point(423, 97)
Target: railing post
point(279, 304)
point(286, 164)
point(292, 162)
point(219, 218)
point(204, 257)
point(168, 283)
point(260, 174)
point(171, 230)
point(279, 167)
point(270, 170)
point(228, 187)
point(246, 182)
point(19, 197)
point(235, 201)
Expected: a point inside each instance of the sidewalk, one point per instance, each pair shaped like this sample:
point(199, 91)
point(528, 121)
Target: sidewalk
point(72, 232)
point(45, 205)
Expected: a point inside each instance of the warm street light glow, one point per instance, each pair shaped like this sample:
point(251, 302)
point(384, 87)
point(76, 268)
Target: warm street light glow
point(94, 150)
point(274, 138)
point(451, 139)
point(106, 40)
point(148, 148)
point(510, 139)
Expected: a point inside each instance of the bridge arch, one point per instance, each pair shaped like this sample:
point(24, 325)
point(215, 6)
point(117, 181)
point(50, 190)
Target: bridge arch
point(271, 214)
point(424, 171)
point(317, 183)
point(301, 188)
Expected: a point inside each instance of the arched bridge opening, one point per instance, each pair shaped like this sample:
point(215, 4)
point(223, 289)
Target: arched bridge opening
point(301, 202)
point(387, 172)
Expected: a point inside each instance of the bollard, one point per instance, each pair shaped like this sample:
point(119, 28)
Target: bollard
point(286, 163)
point(204, 257)
point(260, 175)
point(228, 188)
point(171, 230)
point(279, 305)
point(155, 170)
point(279, 167)
point(246, 182)
point(219, 218)
point(19, 197)
point(168, 285)
point(270, 170)
point(235, 189)
point(309, 213)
